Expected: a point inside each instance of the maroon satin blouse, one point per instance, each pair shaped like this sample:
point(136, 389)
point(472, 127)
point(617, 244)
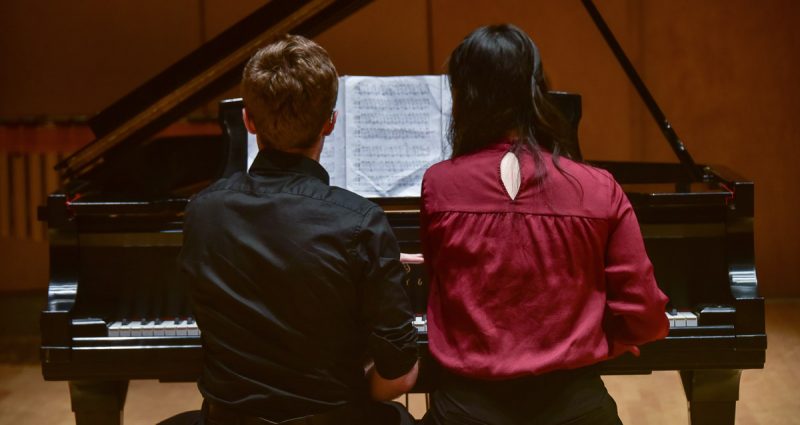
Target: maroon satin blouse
point(557, 278)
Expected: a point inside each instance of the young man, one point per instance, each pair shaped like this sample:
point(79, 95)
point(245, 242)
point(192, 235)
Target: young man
point(296, 284)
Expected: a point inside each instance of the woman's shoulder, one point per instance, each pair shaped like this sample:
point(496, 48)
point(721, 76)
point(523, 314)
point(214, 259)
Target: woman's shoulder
point(439, 168)
point(445, 169)
point(595, 188)
point(464, 164)
point(581, 170)
point(436, 176)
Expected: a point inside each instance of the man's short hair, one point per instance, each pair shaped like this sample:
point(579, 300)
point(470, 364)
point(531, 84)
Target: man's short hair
point(289, 89)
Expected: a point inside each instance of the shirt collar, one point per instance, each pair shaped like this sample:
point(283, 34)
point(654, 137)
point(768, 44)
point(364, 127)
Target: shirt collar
point(503, 144)
point(271, 160)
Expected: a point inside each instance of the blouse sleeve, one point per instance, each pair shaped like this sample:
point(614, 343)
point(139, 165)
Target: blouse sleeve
point(424, 222)
point(635, 304)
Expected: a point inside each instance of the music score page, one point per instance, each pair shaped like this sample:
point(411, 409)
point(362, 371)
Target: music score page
point(389, 131)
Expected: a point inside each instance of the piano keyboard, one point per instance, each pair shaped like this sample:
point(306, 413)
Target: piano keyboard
point(177, 327)
point(681, 319)
point(677, 319)
point(421, 323)
point(188, 327)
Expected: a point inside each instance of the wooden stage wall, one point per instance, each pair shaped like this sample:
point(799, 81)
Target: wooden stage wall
point(724, 72)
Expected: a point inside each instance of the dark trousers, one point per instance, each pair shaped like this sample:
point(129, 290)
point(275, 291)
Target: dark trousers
point(371, 413)
point(374, 413)
point(576, 397)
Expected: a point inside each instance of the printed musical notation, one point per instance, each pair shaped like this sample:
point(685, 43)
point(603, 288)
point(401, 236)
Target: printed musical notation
point(393, 133)
point(389, 131)
point(252, 149)
point(403, 118)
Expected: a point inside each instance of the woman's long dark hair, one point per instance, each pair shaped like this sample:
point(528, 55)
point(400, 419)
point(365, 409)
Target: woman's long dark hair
point(497, 87)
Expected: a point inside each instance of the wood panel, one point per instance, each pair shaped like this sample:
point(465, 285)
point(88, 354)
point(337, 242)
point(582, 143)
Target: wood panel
point(726, 76)
point(219, 15)
point(74, 58)
point(722, 70)
point(5, 196)
point(19, 210)
point(51, 181)
point(36, 196)
point(386, 37)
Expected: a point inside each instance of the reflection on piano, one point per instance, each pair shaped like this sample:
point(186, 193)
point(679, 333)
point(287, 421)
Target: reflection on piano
point(118, 310)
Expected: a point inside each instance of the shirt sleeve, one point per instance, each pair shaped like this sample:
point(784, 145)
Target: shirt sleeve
point(386, 309)
point(188, 255)
point(424, 221)
point(635, 304)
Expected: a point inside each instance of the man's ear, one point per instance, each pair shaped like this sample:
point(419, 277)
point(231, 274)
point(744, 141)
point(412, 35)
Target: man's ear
point(327, 129)
point(248, 122)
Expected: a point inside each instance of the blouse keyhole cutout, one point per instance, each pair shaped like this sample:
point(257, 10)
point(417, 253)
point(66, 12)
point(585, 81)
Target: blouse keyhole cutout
point(510, 174)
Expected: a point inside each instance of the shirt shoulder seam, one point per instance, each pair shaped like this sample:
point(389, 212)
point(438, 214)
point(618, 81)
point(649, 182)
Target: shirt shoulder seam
point(363, 211)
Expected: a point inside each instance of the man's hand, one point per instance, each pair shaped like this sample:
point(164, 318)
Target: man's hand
point(382, 389)
point(411, 258)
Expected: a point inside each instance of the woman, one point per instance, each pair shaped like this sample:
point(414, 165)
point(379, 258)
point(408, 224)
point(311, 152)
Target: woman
point(538, 268)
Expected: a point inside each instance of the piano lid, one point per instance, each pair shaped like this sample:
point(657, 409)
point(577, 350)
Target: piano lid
point(200, 76)
point(691, 171)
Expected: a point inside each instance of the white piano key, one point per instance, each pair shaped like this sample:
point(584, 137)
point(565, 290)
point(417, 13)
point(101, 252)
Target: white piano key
point(136, 328)
point(193, 330)
point(182, 329)
point(421, 323)
point(114, 328)
point(671, 318)
point(159, 328)
point(691, 318)
point(680, 320)
point(125, 328)
point(147, 328)
point(170, 328)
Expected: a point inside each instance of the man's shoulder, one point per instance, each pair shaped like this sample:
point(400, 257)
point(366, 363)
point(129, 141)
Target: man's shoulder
point(349, 200)
point(339, 200)
point(224, 183)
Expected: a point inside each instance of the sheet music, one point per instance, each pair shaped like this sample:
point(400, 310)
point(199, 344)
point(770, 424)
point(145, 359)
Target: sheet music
point(447, 116)
point(388, 132)
point(393, 128)
point(252, 149)
point(333, 148)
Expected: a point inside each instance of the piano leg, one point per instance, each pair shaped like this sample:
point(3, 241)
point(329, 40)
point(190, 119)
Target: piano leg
point(98, 402)
point(712, 395)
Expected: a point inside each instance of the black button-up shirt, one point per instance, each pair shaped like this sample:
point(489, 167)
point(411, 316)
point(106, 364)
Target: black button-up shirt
point(294, 284)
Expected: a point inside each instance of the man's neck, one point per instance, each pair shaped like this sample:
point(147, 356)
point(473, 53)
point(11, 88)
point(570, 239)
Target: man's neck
point(314, 152)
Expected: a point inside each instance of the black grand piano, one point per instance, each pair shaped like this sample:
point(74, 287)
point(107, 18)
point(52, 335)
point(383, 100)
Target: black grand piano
point(118, 309)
